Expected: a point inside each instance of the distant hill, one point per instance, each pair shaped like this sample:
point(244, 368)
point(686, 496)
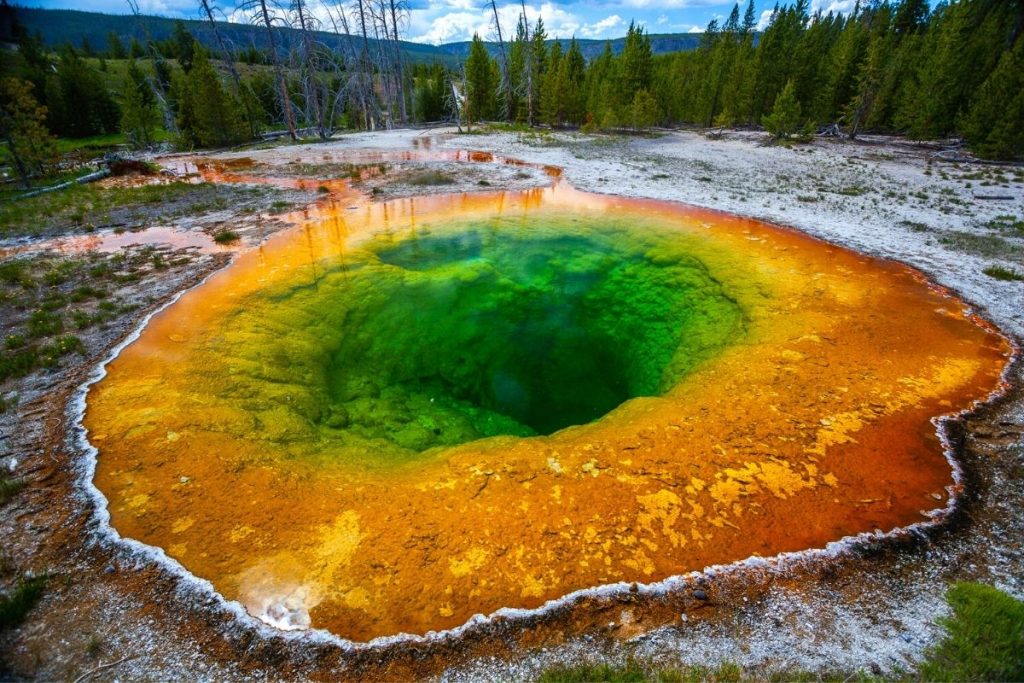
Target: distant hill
point(58, 26)
point(72, 26)
point(660, 43)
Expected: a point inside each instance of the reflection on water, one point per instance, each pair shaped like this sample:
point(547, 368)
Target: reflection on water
point(283, 430)
point(110, 242)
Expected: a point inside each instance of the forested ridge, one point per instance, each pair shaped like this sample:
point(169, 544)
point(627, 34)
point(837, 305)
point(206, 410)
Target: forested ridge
point(955, 69)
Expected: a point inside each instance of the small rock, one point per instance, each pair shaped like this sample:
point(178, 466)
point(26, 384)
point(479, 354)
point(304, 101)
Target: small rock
point(683, 618)
point(109, 569)
point(700, 594)
point(633, 588)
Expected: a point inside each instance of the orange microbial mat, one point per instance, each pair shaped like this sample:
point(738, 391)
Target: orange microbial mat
point(398, 415)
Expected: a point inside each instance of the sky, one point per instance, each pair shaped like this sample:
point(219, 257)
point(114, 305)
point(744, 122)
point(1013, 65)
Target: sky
point(443, 21)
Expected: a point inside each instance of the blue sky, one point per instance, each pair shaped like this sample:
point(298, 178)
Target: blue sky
point(437, 21)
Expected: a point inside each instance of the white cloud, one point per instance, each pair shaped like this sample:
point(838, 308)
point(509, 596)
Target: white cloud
point(437, 24)
point(835, 6)
point(695, 29)
point(670, 4)
point(662, 20)
point(450, 27)
point(603, 28)
point(766, 17)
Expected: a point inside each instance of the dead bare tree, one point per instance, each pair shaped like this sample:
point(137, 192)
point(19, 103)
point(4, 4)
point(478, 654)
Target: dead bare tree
point(379, 21)
point(506, 83)
point(258, 12)
point(250, 115)
point(309, 69)
point(528, 65)
point(365, 66)
point(158, 88)
point(358, 88)
point(399, 9)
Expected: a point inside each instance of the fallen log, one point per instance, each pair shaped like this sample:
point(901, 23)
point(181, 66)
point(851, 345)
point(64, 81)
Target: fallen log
point(87, 178)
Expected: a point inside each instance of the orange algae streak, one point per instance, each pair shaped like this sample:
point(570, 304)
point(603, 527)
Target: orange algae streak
point(813, 426)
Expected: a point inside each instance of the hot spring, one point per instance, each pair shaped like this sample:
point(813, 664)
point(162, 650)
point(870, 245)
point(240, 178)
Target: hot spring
point(400, 415)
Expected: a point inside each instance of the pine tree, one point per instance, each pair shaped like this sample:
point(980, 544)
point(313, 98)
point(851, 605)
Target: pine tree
point(739, 83)
point(481, 86)
point(869, 82)
point(208, 114)
point(538, 51)
point(136, 51)
point(643, 111)
point(572, 76)
point(784, 119)
point(994, 125)
point(843, 62)
point(551, 95)
point(597, 86)
point(22, 126)
point(139, 115)
point(78, 101)
point(517, 72)
point(115, 48)
point(429, 92)
point(636, 63)
point(183, 46)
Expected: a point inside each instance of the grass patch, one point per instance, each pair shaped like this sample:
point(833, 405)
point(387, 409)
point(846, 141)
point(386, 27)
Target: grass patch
point(86, 207)
point(431, 178)
point(1001, 273)
point(1007, 223)
point(25, 595)
point(915, 226)
point(984, 637)
point(226, 237)
point(634, 672)
point(988, 246)
point(103, 142)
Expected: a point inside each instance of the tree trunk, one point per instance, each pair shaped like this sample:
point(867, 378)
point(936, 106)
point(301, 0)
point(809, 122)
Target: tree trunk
point(169, 123)
point(309, 67)
point(282, 85)
point(398, 62)
point(528, 46)
point(367, 76)
point(507, 84)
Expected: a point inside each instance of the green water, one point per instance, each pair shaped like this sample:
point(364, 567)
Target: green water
point(444, 338)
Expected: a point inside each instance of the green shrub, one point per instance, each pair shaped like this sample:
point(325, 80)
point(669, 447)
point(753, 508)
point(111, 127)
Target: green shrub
point(15, 606)
point(432, 178)
point(226, 237)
